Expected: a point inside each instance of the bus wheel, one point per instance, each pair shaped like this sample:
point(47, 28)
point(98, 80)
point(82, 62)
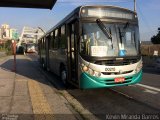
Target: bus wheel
point(43, 64)
point(63, 76)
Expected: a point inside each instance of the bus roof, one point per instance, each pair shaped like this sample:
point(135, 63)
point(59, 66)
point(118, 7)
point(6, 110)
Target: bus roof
point(77, 11)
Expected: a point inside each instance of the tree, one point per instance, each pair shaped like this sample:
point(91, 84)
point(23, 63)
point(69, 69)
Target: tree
point(156, 39)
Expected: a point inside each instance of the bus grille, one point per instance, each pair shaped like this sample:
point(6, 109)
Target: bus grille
point(116, 62)
point(112, 82)
point(116, 73)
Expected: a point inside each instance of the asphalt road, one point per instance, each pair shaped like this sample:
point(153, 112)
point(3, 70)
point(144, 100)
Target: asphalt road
point(142, 98)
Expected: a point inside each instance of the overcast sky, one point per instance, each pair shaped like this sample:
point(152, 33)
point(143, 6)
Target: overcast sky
point(148, 12)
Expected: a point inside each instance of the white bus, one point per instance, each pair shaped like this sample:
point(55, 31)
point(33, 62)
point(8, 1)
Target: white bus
point(30, 47)
point(94, 47)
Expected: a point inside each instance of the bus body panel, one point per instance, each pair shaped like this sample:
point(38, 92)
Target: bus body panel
point(57, 58)
point(87, 81)
point(43, 53)
point(52, 56)
point(129, 72)
point(128, 69)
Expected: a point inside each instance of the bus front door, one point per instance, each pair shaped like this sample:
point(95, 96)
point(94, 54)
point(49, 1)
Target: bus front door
point(72, 55)
point(47, 52)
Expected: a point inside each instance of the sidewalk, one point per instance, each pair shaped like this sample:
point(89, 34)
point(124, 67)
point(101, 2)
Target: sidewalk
point(2, 54)
point(26, 94)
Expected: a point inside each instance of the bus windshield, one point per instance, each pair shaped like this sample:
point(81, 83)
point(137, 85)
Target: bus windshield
point(124, 40)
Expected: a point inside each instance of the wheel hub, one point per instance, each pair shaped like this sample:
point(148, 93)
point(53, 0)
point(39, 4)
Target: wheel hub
point(63, 76)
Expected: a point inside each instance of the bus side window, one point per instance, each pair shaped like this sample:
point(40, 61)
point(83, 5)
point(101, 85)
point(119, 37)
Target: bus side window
point(56, 39)
point(63, 38)
point(72, 37)
point(52, 40)
point(85, 41)
point(43, 43)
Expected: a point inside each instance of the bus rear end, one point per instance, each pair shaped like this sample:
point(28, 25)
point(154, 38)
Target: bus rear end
point(30, 48)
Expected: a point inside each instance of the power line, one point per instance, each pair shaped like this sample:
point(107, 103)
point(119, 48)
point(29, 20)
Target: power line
point(144, 19)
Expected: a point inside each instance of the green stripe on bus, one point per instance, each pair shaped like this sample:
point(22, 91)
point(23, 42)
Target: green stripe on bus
point(87, 81)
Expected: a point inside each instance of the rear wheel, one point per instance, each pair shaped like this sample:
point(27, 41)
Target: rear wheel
point(43, 64)
point(63, 76)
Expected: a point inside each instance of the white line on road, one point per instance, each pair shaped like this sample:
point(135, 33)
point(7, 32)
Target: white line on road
point(149, 87)
point(150, 91)
point(121, 93)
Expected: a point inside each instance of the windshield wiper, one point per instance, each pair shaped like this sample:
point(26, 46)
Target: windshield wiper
point(120, 35)
point(111, 37)
point(104, 29)
point(126, 26)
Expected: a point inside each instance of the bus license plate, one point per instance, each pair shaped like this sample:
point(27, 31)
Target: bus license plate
point(117, 80)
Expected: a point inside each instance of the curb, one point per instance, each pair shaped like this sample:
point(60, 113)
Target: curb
point(84, 113)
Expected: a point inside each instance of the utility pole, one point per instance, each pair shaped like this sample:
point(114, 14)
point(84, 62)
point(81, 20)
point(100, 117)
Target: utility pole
point(135, 7)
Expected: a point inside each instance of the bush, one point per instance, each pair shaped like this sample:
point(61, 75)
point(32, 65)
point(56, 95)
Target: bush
point(8, 47)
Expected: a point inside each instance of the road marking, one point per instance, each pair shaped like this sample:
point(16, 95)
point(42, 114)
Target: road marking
point(122, 93)
point(150, 91)
point(41, 107)
point(149, 87)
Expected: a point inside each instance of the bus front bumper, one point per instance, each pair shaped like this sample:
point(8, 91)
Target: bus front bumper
point(87, 81)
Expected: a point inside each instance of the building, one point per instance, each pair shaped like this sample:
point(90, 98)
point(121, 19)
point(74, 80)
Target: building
point(31, 35)
point(7, 33)
point(14, 34)
point(0, 34)
point(146, 43)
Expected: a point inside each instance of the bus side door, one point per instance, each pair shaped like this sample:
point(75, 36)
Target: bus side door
point(72, 52)
point(47, 51)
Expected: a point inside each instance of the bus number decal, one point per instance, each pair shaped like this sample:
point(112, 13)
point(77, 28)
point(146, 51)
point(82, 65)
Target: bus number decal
point(110, 69)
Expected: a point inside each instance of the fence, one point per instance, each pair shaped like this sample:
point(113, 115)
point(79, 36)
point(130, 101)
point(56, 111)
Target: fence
point(150, 50)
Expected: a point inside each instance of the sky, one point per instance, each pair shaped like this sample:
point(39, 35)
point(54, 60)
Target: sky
point(148, 13)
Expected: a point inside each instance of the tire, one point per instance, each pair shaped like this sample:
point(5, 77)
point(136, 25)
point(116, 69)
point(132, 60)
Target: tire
point(63, 76)
point(43, 64)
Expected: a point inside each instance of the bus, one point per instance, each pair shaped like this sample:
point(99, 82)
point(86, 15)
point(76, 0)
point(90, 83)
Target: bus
point(94, 47)
point(30, 48)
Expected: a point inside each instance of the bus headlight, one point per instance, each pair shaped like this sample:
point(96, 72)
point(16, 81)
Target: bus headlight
point(139, 67)
point(88, 70)
point(85, 68)
point(97, 74)
point(91, 72)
